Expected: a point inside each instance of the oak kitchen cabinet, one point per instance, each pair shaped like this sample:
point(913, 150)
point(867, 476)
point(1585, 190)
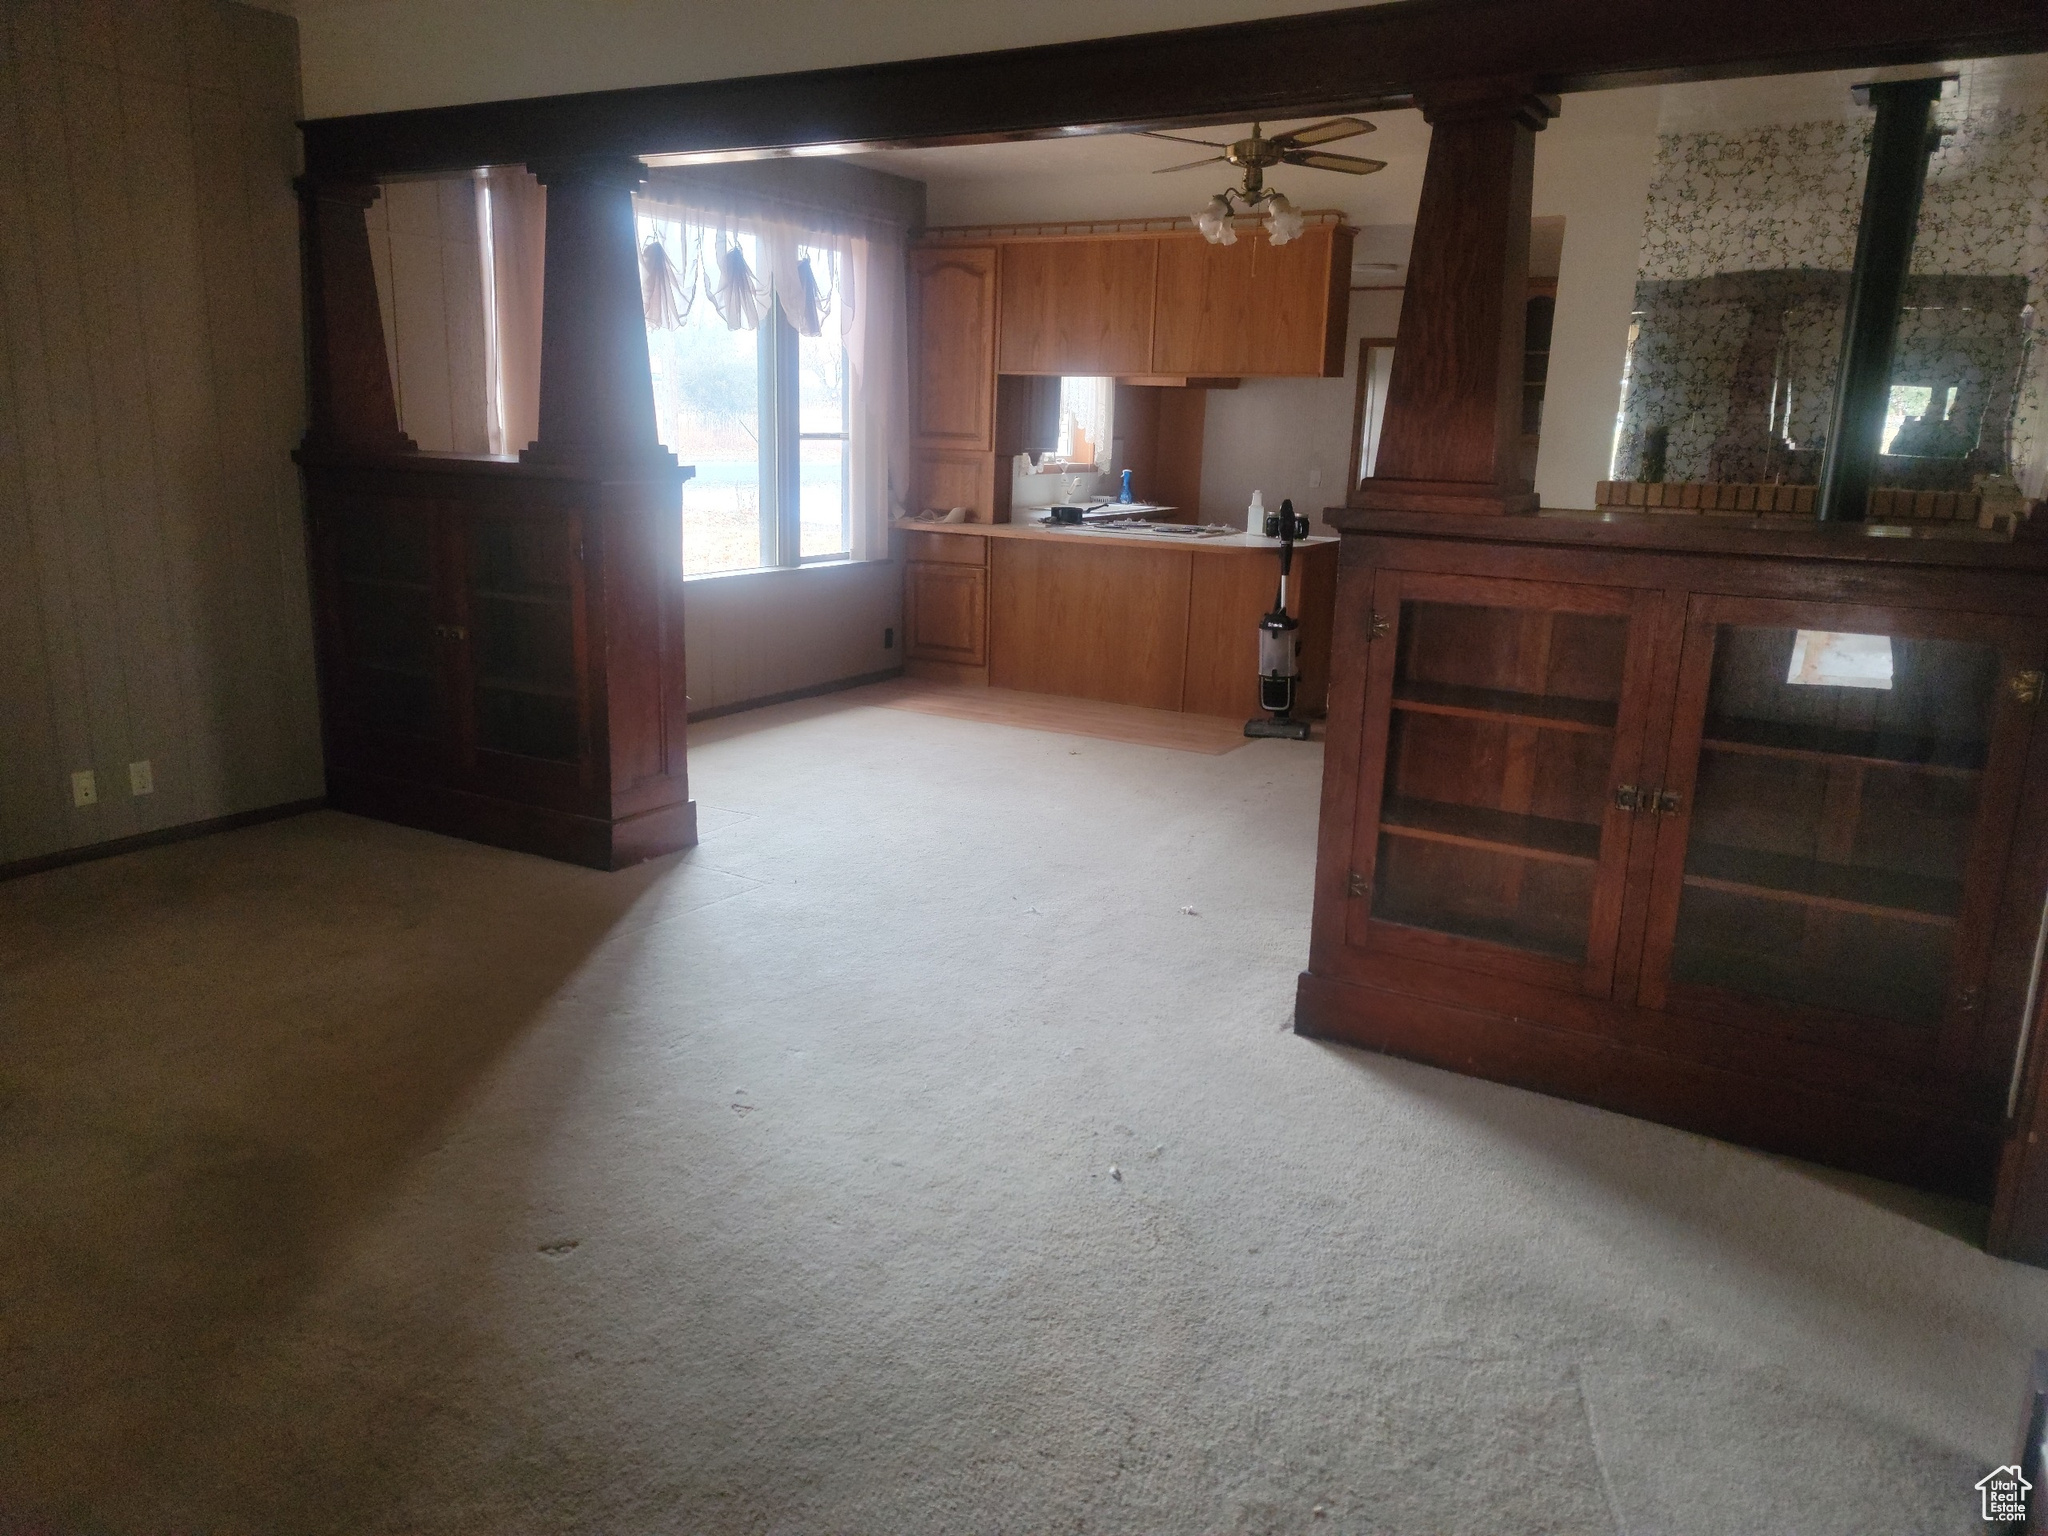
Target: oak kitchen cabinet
point(1118, 617)
point(1253, 309)
point(1077, 307)
point(1173, 305)
point(945, 606)
point(1156, 307)
point(952, 304)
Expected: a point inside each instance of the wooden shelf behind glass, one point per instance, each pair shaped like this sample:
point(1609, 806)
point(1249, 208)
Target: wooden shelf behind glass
point(1471, 826)
point(1551, 712)
point(1838, 887)
point(1828, 744)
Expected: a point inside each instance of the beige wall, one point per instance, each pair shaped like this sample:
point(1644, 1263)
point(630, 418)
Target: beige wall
point(1268, 435)
point(762, 633)
point(152, 574)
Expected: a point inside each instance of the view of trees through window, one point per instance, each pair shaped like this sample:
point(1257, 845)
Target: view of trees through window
point(752, 410)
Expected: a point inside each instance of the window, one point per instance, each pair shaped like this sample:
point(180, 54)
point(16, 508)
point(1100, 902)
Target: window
point(761, 411)
point(825, 445)
point(1087, 428)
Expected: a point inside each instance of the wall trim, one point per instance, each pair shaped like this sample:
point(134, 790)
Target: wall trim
point(184, 832)
point(838, 685)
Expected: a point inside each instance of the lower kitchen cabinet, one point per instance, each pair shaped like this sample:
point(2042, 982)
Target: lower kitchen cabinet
point(1693, 836)
point(945, 613)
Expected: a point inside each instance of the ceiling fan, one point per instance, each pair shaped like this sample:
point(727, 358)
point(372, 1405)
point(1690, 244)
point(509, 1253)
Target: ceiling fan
point(1258, 154)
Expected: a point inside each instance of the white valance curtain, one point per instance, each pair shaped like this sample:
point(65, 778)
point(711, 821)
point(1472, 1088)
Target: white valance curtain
point(828, 270)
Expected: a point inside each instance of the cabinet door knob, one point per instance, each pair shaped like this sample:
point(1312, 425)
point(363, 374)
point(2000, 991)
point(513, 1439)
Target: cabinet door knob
point(1666, 802)
point(2025, 687)
point(1629, 798)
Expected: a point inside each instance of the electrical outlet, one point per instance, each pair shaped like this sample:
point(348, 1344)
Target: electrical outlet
point(1315, 479)
point(84, 791)
point(141, 781)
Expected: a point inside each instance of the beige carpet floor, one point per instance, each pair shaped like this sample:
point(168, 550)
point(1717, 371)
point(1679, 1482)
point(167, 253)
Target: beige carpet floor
point(905, 1159)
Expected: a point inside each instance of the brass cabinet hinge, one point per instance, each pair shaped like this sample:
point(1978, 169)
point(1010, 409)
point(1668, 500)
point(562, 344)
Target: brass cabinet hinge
point(1666, 802)
point(1355, 886)
point(2026, 687)
point(451, 631)
point(1382, 626)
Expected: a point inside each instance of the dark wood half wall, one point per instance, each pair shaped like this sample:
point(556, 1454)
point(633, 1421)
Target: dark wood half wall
point(1354, 60)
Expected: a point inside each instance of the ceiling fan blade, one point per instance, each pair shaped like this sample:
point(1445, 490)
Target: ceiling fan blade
point(1174, 138)
point(1323, 133)
point(1164, 169)
point(1351, 165)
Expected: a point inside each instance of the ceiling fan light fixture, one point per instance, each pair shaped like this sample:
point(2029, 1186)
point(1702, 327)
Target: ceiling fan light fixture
point(1217, 222)
point(1283, 219)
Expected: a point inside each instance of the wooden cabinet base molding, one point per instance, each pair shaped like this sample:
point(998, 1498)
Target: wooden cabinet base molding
point(1929, 1152)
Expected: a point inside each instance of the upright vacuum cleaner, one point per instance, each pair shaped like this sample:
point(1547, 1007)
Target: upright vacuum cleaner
point(1280, 640)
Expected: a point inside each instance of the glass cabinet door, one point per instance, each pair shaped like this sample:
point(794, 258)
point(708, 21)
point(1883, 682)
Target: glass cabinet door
point(523, 605)
point(381, 567)
point(1842, 796)
point(1502, 717)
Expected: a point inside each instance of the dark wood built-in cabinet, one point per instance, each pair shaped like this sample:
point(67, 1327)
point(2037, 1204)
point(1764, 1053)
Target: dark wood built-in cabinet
point(1727, 842)
point(501, 652)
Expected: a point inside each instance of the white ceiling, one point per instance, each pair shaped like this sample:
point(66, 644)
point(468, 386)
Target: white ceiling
point(1723, 104)
point(1108, 154)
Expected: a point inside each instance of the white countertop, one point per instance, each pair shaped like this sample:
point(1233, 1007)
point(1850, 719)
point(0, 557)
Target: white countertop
point(1067, 534)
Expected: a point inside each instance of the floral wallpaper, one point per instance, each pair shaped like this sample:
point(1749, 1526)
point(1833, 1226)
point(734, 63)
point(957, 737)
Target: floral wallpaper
point(1747, 245)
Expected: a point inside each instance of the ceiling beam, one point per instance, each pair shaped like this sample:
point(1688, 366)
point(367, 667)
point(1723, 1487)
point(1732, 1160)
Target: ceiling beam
point(1366, 58)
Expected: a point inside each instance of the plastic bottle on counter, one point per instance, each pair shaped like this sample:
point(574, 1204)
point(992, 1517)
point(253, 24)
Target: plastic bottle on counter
point(1255, 515)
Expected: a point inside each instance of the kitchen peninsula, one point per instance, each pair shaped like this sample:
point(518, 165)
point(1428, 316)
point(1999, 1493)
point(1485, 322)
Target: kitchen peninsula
point(1129, 618)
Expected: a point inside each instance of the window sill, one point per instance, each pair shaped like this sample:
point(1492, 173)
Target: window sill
point(835, 563)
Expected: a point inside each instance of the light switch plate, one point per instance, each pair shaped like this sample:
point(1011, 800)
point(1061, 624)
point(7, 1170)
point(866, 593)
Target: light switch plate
point(141, 781)
point(1315, 479)
point(83, 790)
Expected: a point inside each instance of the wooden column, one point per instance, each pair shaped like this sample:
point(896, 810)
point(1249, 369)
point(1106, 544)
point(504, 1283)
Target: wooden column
point(350, 404)
point(1892, 186)
point(596, 389)
point(1452, 433)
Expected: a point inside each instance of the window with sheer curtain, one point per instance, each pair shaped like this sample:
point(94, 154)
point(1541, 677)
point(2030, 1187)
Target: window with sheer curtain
point(775, 349)
point(776, 341)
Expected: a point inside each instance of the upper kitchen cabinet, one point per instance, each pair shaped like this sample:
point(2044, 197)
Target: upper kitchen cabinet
point(1077, 306)
point(953, 330)
point(1202, 315)
point(1301, 303)
point(1163, 305)
point(1253, 309)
